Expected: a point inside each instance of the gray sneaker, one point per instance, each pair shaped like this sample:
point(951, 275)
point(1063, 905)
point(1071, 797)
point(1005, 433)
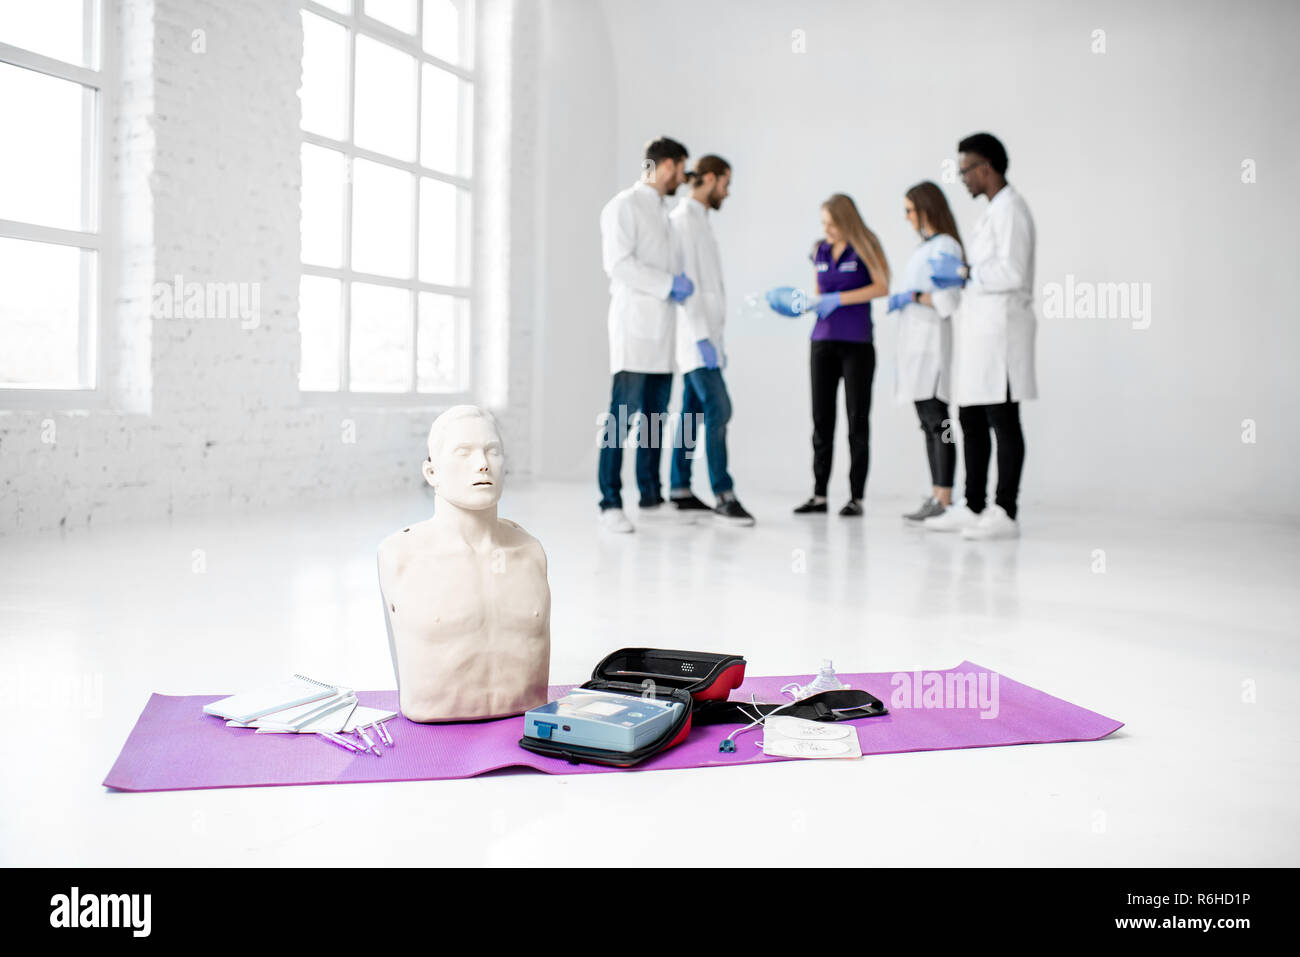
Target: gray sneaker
point(929, 509)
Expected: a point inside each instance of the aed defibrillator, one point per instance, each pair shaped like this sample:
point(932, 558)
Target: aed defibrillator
point(642, 701)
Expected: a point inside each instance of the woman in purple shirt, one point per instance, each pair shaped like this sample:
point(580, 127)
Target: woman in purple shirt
point(851, 271)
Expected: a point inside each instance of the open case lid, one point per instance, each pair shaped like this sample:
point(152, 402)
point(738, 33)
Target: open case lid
point(705, 675)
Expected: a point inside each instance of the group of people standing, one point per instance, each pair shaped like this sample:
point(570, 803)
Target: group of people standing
point(966, 337)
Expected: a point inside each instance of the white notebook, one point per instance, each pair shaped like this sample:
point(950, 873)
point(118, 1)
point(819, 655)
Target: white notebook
point(345, 719)
point(291, 693)
point(328, 715)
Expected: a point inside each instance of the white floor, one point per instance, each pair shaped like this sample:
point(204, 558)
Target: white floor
point(1188, 636)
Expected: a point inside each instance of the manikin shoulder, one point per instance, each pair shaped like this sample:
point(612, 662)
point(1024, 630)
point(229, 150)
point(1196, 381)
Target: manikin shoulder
point(422, 538)
point(399, 546)
point(514, 537)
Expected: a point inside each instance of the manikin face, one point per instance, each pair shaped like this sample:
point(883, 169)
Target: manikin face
point(469, 464)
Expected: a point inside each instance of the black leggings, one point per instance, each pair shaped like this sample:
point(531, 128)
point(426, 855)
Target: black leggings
point(940, 446)
point(855, 363)
point(1004, 420)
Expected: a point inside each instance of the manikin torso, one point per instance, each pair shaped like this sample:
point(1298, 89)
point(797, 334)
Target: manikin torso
point(468, 608)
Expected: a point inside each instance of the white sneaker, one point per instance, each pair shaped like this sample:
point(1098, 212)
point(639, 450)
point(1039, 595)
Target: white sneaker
point(994, 522)
point(955, 518)
point(613, 520)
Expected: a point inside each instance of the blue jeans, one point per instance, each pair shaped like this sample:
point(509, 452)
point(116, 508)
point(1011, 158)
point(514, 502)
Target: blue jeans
point(633, 392)
point(703, 391)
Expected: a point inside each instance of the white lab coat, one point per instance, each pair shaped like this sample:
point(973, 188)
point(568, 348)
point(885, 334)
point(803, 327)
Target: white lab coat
point(640, 256)
point(994, 328)
point(924, 354)
point(704, 313)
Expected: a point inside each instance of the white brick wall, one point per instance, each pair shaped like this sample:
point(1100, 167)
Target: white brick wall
point(206, 415)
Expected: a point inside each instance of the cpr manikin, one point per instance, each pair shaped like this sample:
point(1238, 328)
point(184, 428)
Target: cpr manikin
point(465, 592)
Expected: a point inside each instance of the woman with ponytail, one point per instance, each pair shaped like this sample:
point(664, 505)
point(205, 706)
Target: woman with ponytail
point(851, 271)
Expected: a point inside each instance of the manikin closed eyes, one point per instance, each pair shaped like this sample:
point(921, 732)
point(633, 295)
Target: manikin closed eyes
point(465, 592)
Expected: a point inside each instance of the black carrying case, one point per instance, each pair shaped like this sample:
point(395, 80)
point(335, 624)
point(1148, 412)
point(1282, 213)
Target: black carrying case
point(691, 678)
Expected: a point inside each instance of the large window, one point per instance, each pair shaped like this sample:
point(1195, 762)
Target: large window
point(387, 95)
point(52, 89)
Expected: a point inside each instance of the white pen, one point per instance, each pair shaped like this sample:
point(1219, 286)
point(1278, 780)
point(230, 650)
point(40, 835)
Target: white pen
point(369, 744)
point(341, 742)
point(382, 730)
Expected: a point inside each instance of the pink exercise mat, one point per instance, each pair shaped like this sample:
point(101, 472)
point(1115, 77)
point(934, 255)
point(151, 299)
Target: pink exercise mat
point(175, 746)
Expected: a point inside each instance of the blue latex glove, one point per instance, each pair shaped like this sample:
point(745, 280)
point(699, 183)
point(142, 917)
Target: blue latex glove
point(682, 287)
point(944, 271)
point(900, 299)
point(788, 301)
point(708, 354)
point(826, 304)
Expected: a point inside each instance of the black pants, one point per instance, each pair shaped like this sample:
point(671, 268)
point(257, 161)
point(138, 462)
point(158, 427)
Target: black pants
point(940, 447)
point(855, 363)
point(1004, 420)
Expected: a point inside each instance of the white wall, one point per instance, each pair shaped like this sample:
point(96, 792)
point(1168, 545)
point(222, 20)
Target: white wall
point(202, 414)
point(576, 174)
point(1130, 160)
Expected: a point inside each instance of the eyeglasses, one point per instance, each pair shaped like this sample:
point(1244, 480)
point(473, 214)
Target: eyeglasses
point(965, 170)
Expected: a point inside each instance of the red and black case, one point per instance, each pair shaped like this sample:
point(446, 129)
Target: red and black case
point(690, 677)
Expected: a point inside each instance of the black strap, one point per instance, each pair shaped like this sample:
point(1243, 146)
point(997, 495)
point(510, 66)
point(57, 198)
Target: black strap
point(844, 704)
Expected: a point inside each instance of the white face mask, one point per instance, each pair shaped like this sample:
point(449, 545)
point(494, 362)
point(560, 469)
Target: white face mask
point(825, 680)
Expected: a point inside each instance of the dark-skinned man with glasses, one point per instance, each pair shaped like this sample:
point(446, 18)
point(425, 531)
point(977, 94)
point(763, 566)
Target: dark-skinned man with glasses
point(993, 342)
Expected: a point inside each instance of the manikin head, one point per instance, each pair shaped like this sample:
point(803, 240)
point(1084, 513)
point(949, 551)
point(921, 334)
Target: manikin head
point(466, 461)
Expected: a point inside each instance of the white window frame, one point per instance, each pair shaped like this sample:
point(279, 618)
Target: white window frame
point(97, 172)
point(357, 23)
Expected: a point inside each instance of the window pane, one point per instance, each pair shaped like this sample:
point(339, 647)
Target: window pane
point(53, 28)
point(324, 77)
point(42, 120)
point(320, 320)
point(42, 290)
point(324, 175)
point(381, 219)
point(380, 353)
point(441, 347)
point(396, 13)
point(342, 6)
point(445, 128)
point(385, 107)
point(444, 233)
point(445, 29)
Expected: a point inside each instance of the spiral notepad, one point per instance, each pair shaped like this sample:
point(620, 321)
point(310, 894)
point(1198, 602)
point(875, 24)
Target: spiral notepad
point(291, 693)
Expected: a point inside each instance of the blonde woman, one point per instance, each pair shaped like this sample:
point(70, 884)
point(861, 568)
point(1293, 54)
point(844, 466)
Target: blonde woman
point(851, 270)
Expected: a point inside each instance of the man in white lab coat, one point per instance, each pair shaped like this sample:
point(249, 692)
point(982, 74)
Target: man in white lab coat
point(993, 341)
point(641, 258)
point(700, 354)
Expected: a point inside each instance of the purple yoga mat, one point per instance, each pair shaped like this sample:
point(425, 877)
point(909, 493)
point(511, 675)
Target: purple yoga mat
point(175, 746)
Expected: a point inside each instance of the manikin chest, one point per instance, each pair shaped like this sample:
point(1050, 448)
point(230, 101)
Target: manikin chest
point(435, 597)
